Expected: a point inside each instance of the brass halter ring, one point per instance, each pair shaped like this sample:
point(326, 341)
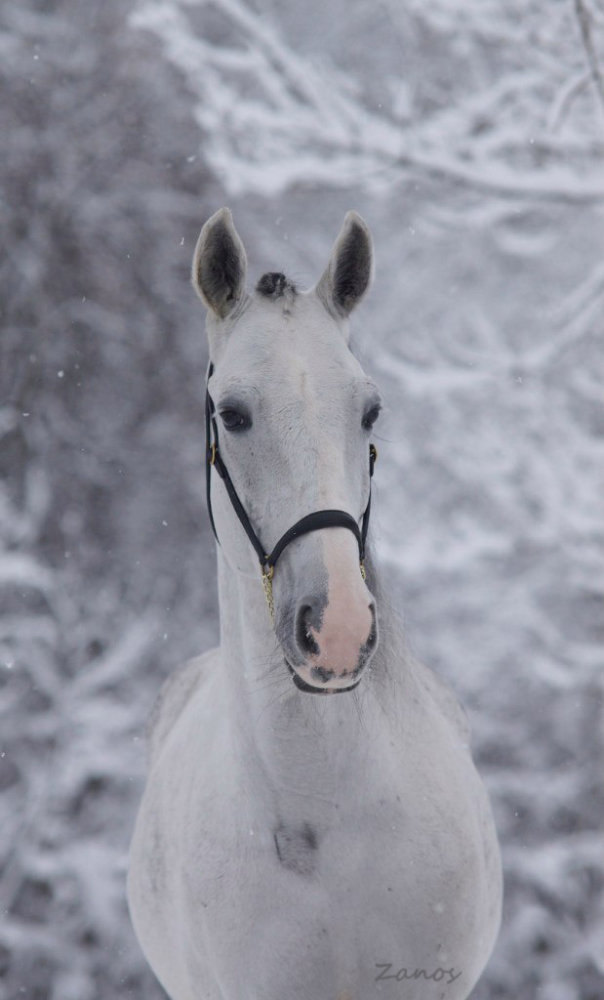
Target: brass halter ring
point(267, 582)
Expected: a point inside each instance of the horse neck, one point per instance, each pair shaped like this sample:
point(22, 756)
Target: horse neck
point(291, 745)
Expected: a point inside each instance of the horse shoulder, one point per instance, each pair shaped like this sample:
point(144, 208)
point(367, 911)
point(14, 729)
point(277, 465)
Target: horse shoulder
point(176, 691)
point(446, 701)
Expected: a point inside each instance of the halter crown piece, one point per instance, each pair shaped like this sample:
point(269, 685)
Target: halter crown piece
point(311, 522)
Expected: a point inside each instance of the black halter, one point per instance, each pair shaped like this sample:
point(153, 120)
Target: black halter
point(312, 522)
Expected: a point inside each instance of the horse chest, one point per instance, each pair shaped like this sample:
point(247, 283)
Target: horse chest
point(387, 858)
point(396, 879)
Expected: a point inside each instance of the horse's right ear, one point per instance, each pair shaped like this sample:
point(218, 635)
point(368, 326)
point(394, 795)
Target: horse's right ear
point(219, 264)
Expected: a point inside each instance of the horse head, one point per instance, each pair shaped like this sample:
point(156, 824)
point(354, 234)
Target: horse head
point(290, 413)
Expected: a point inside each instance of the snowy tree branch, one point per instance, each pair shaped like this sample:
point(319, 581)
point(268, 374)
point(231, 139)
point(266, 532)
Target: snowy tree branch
point(584, 18)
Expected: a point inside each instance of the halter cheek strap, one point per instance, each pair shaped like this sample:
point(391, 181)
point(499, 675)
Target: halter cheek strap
point(311, 522)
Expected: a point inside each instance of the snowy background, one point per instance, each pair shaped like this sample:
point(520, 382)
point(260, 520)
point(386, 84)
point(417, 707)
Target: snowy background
point(471, 138)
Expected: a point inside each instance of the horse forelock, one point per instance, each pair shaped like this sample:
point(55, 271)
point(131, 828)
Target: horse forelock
point(274, 285)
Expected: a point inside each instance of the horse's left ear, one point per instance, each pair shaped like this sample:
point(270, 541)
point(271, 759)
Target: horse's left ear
point(349, 271)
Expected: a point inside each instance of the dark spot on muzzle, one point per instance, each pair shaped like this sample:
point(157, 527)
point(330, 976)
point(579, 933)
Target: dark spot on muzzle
point(323, 674)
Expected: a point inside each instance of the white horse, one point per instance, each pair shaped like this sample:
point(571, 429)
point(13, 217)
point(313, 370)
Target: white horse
point(291, 846)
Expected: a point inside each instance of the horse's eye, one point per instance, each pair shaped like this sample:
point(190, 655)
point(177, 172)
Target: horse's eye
point(371, 416)
point(235, 420)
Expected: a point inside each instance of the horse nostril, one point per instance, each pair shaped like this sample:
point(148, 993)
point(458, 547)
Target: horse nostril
point(304, 636)
point(372, 638)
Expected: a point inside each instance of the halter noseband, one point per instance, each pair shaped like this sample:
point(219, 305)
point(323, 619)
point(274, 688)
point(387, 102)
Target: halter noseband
point(311, 522)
